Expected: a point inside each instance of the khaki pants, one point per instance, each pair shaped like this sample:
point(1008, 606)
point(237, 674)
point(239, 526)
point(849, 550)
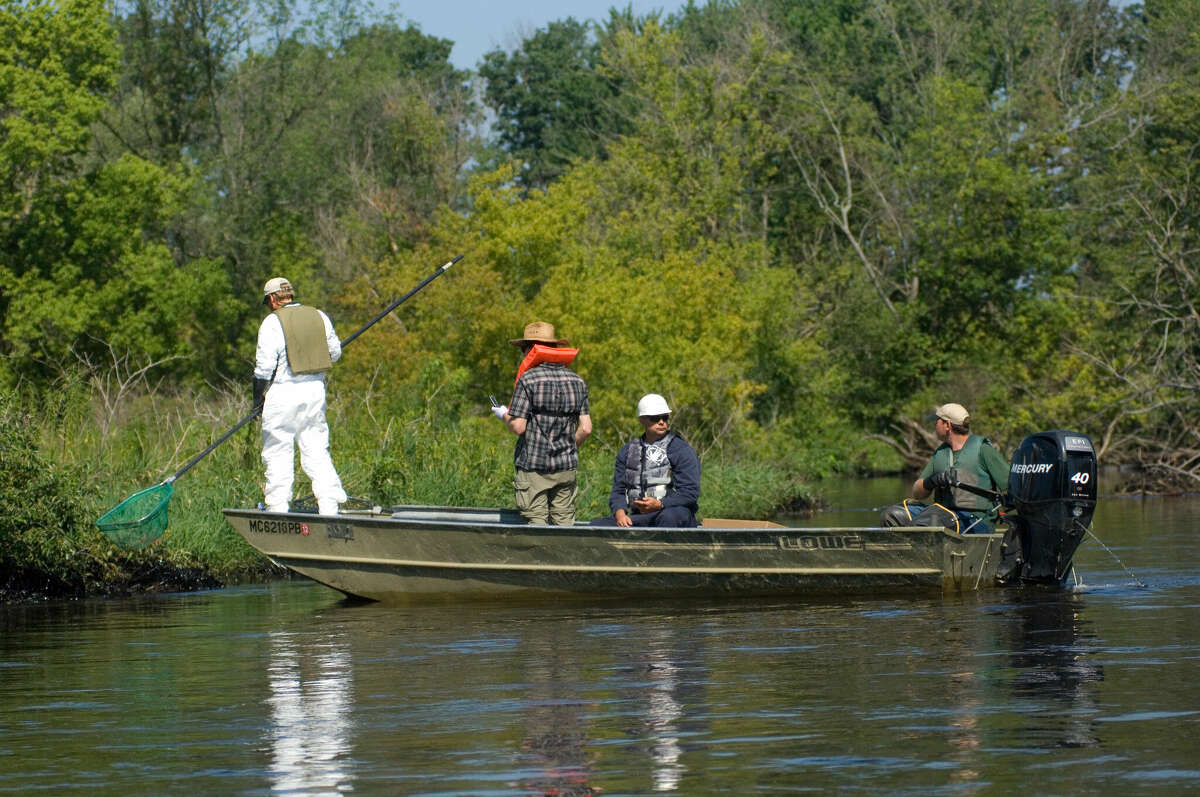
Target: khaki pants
point(546, 497)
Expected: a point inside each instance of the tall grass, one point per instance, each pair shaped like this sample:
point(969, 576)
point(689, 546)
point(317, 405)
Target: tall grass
point(79, 458)
point(468, 462)
point(52, 490)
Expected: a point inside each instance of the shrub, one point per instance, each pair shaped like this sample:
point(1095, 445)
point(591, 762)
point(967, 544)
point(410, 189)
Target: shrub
point(45, 525)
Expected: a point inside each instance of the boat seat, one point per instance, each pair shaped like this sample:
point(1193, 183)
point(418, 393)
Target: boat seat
point(726, 523)
point(458, 514)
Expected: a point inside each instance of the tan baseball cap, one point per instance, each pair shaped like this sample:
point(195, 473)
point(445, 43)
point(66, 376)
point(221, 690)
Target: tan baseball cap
point(275, 285)
point(954, 414)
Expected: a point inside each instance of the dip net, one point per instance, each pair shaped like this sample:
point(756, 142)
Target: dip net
point(140, 519)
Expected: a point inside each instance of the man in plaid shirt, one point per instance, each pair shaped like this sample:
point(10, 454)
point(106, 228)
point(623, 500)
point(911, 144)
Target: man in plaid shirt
point(549, 415)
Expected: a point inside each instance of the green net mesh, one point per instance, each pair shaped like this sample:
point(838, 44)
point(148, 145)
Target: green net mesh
point(140, 519)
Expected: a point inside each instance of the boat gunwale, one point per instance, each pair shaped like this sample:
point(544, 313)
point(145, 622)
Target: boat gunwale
point(481, 524)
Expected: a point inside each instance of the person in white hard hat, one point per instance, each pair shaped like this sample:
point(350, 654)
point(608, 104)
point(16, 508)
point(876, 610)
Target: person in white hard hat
point(656, 480)
point(296, 346)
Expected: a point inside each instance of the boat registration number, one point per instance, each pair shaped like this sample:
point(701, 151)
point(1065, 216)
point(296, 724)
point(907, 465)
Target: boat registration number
point(279, 527)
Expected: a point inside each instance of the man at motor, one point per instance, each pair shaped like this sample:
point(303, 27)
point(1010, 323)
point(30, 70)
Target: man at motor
point(656, 480)
point(962, 459)
point(296, 346)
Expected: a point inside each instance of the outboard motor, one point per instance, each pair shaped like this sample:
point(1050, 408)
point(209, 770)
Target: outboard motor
point(1052, 485)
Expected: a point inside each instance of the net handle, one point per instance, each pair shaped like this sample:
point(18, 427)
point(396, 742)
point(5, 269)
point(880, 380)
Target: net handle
point(401, 300)
point(253, 414)
point(258, 410)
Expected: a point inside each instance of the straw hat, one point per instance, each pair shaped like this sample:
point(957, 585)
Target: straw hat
point(539, 332)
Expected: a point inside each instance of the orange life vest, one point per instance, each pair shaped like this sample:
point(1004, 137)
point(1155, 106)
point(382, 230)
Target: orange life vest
point(545, 354)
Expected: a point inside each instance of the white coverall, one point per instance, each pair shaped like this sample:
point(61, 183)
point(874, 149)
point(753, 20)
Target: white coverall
point(294, 410)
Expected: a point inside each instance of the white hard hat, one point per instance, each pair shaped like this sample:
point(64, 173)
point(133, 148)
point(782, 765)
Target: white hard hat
point(653, 404)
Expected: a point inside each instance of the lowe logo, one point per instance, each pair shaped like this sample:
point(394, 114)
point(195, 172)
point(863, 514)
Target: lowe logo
point(1030, 468)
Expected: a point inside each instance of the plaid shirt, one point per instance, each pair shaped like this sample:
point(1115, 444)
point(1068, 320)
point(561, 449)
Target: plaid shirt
point(551, 398)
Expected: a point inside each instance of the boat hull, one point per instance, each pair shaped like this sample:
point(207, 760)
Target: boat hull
point(409, 552)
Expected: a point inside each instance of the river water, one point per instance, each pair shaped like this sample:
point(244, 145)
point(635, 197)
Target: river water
point(286, 688)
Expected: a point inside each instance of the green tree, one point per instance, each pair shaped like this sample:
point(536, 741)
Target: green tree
point(677, 284)
point(57, 62)
point(1139, 361)
point(320, 140)
point(176, 58)
point(553, 103)
point(89, 279)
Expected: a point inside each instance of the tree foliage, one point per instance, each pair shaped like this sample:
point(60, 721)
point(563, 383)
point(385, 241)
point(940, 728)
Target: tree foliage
point(88, 271)
point(804, 223)
point(57, 62)
point(553, 103)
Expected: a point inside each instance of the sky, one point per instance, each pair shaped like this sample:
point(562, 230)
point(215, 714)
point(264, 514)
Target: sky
point(480, 26)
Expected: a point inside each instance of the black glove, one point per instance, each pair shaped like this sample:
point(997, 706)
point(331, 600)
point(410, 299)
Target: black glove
point(942, 480)
point(260, 392)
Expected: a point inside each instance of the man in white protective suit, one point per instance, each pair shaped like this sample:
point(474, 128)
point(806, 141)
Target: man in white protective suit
point(296, 346)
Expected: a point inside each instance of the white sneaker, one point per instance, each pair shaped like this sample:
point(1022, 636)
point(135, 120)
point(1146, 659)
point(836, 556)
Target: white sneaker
point(327, 507)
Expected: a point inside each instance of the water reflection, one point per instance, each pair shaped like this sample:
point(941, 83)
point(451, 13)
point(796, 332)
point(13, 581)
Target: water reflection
point(556, 726)
point(645, 670)
point(663, 712)
point(1055, 671)
point(663, 680)
point(310, 702)
point(967, 703)
point(280, 689)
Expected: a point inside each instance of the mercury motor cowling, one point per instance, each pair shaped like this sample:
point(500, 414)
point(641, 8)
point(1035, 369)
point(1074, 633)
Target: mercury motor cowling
point(1052, 485)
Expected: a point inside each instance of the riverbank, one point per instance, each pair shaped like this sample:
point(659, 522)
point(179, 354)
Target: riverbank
point(65, 465)
point(144, 577)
